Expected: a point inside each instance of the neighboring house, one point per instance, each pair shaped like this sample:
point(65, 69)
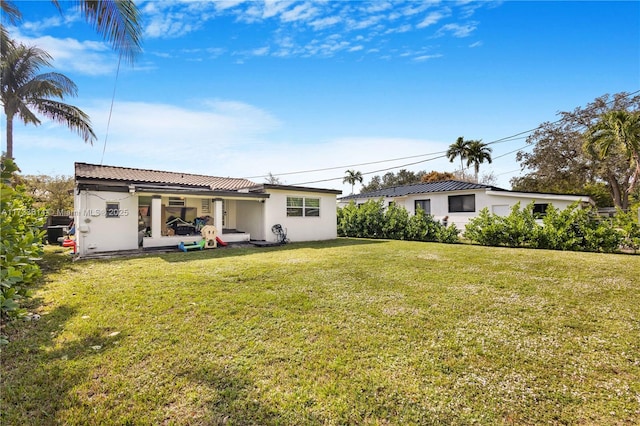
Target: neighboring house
point(119, 208)
point(457, 202)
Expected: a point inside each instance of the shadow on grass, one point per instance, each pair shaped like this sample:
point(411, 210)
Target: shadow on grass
point(231, 251)
point(39, 372)
point(233, 401)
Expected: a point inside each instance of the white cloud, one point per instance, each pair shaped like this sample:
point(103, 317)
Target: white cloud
point(458, 30)
point(430, 19)
point(322, 23)
point(423, 58)
point(301, 12)
point(476, 44)
point(71, 55)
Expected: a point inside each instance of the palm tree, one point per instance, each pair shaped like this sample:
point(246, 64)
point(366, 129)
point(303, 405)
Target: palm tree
point(24, 91)
point(352, 177)
point(477, 153)
point(115, 20)
point(458, 149)
point(617, 130)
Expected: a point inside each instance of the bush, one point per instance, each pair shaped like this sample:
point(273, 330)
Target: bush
point(628, 226)
point(573, 228)
point(372, 220)
point(20, 243)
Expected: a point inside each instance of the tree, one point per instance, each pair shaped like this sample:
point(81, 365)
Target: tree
point(477, 153)
point(273, 180)
point(459, 148)
point(390, 179)
point(115, 20)
point(51, 193)
point(352, 177)
point(24, 91)
point(558, 162)
point(434, 176)
point(617, 131)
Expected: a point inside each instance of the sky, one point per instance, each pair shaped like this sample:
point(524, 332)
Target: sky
point(305, 90)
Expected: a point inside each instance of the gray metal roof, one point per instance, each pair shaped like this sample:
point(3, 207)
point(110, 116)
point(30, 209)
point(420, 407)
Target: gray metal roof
point(422, 188)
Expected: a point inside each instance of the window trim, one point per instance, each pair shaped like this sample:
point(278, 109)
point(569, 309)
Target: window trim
point(462, 203)
point(303, 209)
point(422, 200)
point(112, 210)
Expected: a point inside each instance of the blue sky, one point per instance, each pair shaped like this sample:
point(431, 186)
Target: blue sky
point(247, 88)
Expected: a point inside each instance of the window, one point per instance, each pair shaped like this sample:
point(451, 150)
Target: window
point(204, 207)
point(294, 206)
point(540, 210)
point(312, 207)
point(303, 207)
point(176, 201)
point(462, 203)
point(422, 204)
point(113, 210)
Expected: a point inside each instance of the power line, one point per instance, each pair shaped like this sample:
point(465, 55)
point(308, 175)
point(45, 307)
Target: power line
point(113, 97)
point(516, 136)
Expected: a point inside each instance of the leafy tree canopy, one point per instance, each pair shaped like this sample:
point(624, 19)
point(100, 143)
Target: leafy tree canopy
point(558, 162)
point(390, 179)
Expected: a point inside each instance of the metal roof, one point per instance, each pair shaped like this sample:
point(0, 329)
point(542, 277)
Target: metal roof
point(422, 188)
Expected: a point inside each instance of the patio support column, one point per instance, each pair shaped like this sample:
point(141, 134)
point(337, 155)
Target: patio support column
point(217, 214)
point(156, 216)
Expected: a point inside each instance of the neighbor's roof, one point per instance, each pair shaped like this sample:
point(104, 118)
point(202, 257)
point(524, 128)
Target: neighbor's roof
point(132, 176)
point(421, 188)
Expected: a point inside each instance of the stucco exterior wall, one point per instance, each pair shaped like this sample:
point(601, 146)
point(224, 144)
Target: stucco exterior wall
point(319, 228)
point(498, 202)
point(249, 218)
point(95, 232)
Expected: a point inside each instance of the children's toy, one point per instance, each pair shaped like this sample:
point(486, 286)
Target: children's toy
point(198, 245)
point(70, 243)
point(219, 241)
point(210, 234)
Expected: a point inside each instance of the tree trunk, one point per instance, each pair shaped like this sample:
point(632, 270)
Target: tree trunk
point(9, 136)
point(620, 200)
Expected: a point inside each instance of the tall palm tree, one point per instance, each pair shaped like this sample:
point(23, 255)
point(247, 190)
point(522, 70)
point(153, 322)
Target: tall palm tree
point(115, 20)
point(459, 148)
point(352, 177)
point(23, 91)
point(477, 153)
point(617, 130)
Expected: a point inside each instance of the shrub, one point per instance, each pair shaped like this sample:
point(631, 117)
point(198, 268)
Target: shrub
point(486, 229)
point(20, 243)
point(372, 220)
point(573, 228)
point(629, 228)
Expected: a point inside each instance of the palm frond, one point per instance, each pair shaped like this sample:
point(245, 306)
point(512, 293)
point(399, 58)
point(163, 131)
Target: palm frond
point(69, 115)
point(117, 21)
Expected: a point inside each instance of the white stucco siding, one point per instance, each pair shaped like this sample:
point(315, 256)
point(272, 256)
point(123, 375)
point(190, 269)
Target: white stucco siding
point(96, 231)
point(498, 202)
point(249, 218)
point(323, 227)
point(559, 201)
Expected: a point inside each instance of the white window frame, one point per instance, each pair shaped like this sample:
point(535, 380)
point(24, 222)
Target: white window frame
point(303, 206)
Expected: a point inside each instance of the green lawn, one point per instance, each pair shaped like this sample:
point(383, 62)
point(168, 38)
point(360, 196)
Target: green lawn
point(341, 332)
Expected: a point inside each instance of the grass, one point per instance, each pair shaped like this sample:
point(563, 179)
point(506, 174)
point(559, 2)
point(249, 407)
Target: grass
point(341, 332)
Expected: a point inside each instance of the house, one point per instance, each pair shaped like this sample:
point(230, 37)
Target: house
point(458, 202)
point(120, 208)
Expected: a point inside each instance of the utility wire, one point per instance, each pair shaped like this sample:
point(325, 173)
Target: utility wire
point(516, 136)
point(113, 97)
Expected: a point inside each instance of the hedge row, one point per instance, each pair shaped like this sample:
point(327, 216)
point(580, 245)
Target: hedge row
point(373, 220)
point(574, 228)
